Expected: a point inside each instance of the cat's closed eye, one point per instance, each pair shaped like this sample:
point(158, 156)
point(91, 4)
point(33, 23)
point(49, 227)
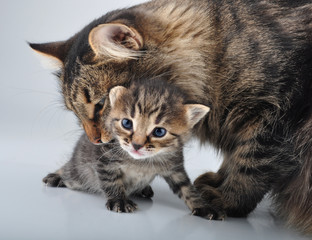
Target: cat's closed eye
point(98, 108)
point(99, 105)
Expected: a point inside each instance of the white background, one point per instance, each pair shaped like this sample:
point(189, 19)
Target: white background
point(37, 136)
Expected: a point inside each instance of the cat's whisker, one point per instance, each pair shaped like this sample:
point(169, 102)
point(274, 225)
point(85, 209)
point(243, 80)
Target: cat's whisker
point(109, 152)
point(72, 133)
point(24, 91)
point(50, 111)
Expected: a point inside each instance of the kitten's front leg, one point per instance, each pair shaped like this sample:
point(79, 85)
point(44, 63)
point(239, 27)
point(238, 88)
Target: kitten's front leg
point(147, 192)
point(54, 180)
point(181, 185)
point(113, 187)
point(121, 205)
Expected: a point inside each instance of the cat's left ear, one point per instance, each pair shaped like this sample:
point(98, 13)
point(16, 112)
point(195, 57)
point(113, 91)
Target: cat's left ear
point(195, 112)
point(115, 93)
point(54, 52)
point(115, 40)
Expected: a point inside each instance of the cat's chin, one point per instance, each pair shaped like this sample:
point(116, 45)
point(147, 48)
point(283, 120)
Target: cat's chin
point(138, 154)
point(135, 156)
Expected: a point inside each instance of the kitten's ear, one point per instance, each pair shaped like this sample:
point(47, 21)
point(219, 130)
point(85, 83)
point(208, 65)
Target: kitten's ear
point(55, 52)
point(195, 112)
point(115, 40)
point(115, 93)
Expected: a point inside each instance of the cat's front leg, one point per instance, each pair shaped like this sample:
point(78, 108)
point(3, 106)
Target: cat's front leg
point(112, 185)
point(146, 192)
point(240, 191)
point(53, 180)
point(121, 205)
point(248, 172)
point(117, 200)
point(181, 185)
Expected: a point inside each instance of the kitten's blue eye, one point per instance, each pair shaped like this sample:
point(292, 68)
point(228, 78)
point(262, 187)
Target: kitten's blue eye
point(126, 123)
point(159, 132)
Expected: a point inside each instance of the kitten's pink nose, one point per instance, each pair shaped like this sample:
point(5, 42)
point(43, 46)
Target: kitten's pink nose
point(136, 146)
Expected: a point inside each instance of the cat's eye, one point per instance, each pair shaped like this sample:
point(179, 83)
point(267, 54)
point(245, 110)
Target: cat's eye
point(98, 107)
point(126, 123)
point(100, 104)
point(159, 132)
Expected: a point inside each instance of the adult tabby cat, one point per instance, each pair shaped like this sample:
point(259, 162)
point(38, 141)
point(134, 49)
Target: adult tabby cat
point(248, 60)
point(149, 123)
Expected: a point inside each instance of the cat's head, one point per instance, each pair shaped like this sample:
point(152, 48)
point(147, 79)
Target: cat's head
point(118, 48)
point(98, 58)
point(151, 118)
point(89, 64)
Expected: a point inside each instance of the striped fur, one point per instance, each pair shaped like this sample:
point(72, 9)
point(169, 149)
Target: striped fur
point(110, 170)
point(250, 61)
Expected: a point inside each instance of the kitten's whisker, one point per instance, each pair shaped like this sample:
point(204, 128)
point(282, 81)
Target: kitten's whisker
point(105, 152)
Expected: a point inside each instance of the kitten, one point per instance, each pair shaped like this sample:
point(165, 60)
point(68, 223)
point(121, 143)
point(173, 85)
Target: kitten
point(150, 123)
point(249, 60)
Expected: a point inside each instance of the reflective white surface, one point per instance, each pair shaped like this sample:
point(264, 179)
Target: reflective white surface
point(37, 137)
point(30, 210)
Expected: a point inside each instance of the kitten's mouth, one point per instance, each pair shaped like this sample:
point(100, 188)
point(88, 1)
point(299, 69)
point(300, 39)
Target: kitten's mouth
point(135, 152)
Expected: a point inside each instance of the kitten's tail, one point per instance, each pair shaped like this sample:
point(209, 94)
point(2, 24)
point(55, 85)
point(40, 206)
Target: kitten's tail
point(294, 200)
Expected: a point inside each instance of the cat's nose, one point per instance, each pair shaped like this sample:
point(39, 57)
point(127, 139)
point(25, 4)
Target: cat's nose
point(97, 141)
point(136, 146)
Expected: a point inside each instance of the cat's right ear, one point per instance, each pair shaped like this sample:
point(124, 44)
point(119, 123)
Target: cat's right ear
point(115, 40)
point(195, 112)
point(115, 93)
point(54, 52)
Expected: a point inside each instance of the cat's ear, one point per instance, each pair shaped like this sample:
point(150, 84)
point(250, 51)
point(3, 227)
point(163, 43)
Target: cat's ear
point(115, 40)
point(195, 112)
point(115, 93)
point(54, 52)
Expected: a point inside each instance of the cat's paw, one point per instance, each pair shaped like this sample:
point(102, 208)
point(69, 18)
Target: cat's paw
point(207, 184)
point(209, 213)
point(121, 205)
point(53, 180)
point(209, 178)
point(147, 192)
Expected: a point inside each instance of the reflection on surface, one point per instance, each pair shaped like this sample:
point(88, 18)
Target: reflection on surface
point(28, 208)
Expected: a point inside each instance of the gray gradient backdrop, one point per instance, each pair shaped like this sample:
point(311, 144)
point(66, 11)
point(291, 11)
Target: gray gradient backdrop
point(37, 136)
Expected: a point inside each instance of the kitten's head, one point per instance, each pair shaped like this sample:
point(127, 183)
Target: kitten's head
point(151, 118)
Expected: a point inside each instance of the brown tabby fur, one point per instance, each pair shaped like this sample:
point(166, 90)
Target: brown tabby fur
point(126, 165)
point(249, 60)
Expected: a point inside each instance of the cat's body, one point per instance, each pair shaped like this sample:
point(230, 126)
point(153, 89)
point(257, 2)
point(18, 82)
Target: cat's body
point(108, 171)
point(148, 143)
point(249, 61)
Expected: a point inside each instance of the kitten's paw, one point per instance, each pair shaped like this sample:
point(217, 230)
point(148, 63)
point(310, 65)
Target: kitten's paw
point(209, 213)
point(121, 205)
point(53, 180)
point(147, 192)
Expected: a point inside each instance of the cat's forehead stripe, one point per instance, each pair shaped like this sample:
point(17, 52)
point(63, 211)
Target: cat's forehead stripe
point(132, 114)
point(153, 111)
point(87, 95)
point(159, 117)
point(140, 108)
